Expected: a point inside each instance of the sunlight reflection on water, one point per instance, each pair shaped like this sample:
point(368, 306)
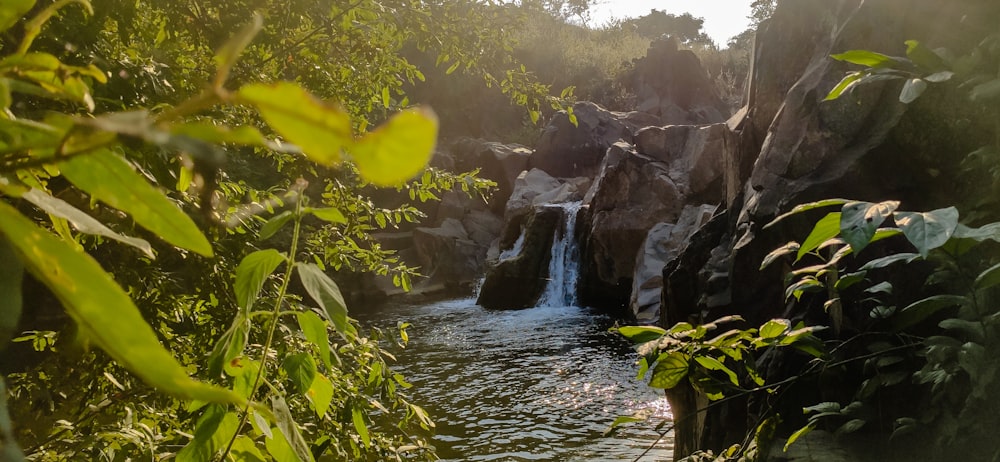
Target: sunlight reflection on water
point(535, 384)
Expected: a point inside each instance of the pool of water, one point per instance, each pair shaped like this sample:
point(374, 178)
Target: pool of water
point(536, 384)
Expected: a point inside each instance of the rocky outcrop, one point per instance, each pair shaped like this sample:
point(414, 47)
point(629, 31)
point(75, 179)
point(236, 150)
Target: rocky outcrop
point(499, 162)
point(663, 243)
point(671, 84)
point(567, 150)
point(518, 280)
point(695, 156)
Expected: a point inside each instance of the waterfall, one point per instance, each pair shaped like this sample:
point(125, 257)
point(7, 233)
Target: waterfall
point(564, 263)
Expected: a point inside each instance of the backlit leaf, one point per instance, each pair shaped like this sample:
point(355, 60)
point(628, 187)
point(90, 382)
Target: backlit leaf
point(358, 417)
point(251, 273)
point(320, 394)
point(110, 179)
point(864, 58)
point(845, 84)
point(321, 130)
point(789, 248)
point(670, 369)
point(799, 434)
point(397, 150)
point(314, 330)
point(275, 224)
point(245, 450)
point(290, 430)
point(12, 10)
point(826, 228)
point(329, 215)
point(325, 292)
point(301, 369)
point(713, 364)
point(641, 334)
point(103, 312)
point(806, 207)
point(774, 328)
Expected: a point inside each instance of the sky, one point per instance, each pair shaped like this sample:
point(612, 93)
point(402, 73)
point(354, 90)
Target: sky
point(723, 18)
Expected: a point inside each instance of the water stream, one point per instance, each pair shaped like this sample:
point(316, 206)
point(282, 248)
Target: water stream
point(537, 384)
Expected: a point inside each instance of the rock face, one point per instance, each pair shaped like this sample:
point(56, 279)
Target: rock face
point(498, 162)
point(663, 243)
point(671, 84)
point(694, 154)
point(565, 150)
point(518, 280)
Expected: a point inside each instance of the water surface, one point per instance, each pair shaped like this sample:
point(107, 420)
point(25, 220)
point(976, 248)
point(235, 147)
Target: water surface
point(535, 384)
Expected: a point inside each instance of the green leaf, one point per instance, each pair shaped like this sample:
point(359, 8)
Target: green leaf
point(774, 328)
point(103, 312)
point(789, 248)
point(279, 449)
point(826, 228)
point(670, 369)
point(329, 215)
point(13, 10)
point(939, 77)
point(846, 83)
point(924, 57)
point(986, 92)
point(860, 220)
point(301, 369)
point(314, 330)
point(924, 308)
point(229, 346)
point(865, 58)
point(912, 90)
point(275, 224)
point(251, 273)
point(213, 425)
point(988, 278)
point(851, 426)
point(799, 434)
point(806, 207)
point(358, 417)
point(81, 221)
point(219, 134)
point(397, 150)
point(825, 407)
point(244, 372)
point(641, 334)
point(290, 430)
point(11, 301)
point(930, 230)
point(882, 262)
point(245, 450)
point(325, 292)
point(641, 415)
point(713, 364)
point(110, 179)
point(320, 394)
point(321, 130)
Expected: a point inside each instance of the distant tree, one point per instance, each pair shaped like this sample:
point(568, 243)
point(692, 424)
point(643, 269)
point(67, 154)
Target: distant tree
point(760, 10)
point(685, 27)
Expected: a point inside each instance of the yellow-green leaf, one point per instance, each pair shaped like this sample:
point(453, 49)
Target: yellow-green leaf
point(12, 10)
point(102, 310)
point(251, 273)
point(110, 179)
point(314, 330)
point(321, 130)
point(670, 369)
point(325, 292)
point(399, 149)
point(320, 394)
point(357, 415)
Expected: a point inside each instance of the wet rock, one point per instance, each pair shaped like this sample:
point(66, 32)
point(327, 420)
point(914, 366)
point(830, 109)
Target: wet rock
point(518, 281)
point(565, 150)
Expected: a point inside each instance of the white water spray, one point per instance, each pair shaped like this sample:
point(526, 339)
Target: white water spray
point(565, 262)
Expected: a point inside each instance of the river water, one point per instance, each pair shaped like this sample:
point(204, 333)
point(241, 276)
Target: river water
point(535, 384)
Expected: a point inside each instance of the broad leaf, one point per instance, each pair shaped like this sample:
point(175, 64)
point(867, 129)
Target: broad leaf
point(806, 207)
point(826, 228)
point(924, 308)
point(314, 330)
point(358, 417)
point(890, 259)
point(12, 10)
point(799, 434)
point(251, 273)
point(289, 429)
point(865, 58)
point(110, 179)
point(986, 92)
point(670, 369)
point(641, 415)
point(399, 149)
point(230, 345)
point(988, 278)
point(301, 370)
point(713, 364)
point(11, 273)
point(245, 450)
point(774, 328)
point(641, 334)
point(329, 215)
point(912, 90)
point(81, 221)
point(103, 312)
point(860, 220)
point(321, 130)
point(930, 230)
point(924, 57)
point(205, 444)
point(320, 394)
point(325, 292)
point(275, 224)
point(787, 249)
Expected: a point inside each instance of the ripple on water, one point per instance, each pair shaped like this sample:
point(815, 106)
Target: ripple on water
point(535, 384)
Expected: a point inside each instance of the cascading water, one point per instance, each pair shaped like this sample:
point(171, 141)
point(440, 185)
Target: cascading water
point(564, 263)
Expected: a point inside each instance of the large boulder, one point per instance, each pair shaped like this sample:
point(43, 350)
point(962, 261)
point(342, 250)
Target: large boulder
point(631, 194)
point(536, 187)
point(695, 155)
point(663, 242)
point(671, 84)
point(447, 254)
point(518, 281)
point(499, 162)
point(568, 150)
